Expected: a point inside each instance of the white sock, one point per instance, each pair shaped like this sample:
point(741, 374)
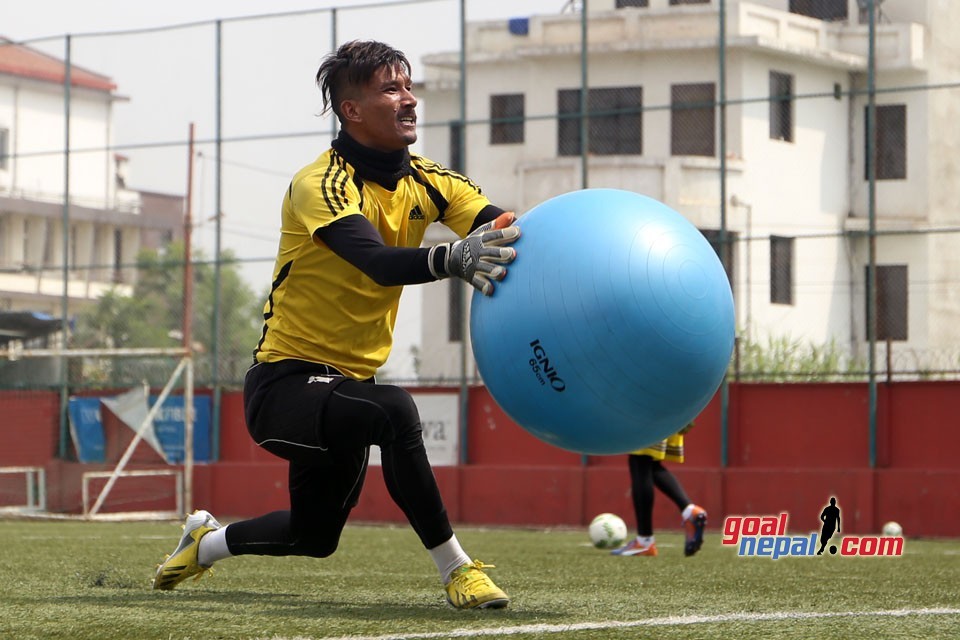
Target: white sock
point(645, 541)
point(687, 511)
point(448, 556)
point(213, 547)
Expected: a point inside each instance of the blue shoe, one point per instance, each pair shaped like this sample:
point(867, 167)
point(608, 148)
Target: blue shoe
point(694, 526)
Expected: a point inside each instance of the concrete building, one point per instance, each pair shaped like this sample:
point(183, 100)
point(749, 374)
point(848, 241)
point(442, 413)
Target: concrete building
point(109, 222)
point(797, 197)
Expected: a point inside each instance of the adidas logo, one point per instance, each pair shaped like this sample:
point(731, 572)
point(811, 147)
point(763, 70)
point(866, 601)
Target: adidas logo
point(416, 213)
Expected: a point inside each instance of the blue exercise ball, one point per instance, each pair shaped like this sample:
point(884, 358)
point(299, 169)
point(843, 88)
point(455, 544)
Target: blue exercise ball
point(613, 328)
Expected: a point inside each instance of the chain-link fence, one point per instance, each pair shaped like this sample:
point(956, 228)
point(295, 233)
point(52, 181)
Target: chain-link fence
point(756, 120)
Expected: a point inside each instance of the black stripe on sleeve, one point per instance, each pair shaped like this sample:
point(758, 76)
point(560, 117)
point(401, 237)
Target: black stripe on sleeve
point(440, 170)
point(328, 186)
point(323, 189)
point(358, 183)
point(341, 179)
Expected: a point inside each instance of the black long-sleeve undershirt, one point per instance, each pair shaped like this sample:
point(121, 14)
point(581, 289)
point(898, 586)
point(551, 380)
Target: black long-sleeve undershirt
point(357, 241)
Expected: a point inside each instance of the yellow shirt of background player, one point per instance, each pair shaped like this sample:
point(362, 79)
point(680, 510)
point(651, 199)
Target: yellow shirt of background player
point(670, 449)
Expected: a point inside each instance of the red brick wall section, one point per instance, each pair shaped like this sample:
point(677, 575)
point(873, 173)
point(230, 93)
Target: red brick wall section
point(790, 447)
point(920, 425)
point(798, 426)
point(29, 427)
point(236, 445)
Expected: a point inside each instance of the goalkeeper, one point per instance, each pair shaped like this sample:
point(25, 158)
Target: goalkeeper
point(350, 232)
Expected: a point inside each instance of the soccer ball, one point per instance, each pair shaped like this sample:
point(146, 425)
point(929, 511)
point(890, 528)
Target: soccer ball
point(892, 529)
point(607, 531)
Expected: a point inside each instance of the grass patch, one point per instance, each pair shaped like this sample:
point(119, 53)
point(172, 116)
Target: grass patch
point(92, 580)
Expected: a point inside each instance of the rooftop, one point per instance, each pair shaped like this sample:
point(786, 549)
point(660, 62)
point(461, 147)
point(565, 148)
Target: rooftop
point(22, 61)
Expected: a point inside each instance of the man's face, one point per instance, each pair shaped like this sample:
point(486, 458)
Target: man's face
point(383, 114)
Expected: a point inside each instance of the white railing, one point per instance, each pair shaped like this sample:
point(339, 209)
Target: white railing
point(36, 489)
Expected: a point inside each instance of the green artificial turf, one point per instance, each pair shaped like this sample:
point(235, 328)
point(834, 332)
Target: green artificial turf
point(92, 580)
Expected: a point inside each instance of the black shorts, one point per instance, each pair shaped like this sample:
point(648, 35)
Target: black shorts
point(324, 423)
point(284, 406)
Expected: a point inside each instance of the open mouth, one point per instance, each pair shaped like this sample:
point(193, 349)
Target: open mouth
point(408, 120)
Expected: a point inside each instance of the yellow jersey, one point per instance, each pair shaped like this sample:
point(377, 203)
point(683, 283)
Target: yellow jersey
point(323, 309)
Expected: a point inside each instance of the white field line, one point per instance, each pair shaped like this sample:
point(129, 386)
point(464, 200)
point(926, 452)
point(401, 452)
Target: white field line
point(667, 621)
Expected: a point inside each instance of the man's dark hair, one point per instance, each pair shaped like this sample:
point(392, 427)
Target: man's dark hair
point(352, 65)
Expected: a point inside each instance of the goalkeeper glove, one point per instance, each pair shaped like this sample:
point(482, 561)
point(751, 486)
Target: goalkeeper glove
point(478, 257)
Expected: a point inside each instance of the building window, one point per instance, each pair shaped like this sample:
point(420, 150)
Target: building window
point(781, 270)
point(723, 247)
point(863, 12)
point(118, 255)
point(25, 251)
point(892, 288)
point(631, 3)
point(456, 147)
point(781, 106)
point(821, 9)
point(4, 148)
point(692, 121)
point(615, 121)
point(506, 118)
point(455, 297)
point(890, 142)
point(97, 273)
point(74, 241)
point(51, 244)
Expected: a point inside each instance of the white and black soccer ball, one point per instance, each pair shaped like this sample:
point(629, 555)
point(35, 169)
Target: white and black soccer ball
point(607, 531)
point(892, 529)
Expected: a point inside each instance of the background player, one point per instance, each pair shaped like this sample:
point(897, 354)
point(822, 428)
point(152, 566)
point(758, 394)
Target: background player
point(646, 472)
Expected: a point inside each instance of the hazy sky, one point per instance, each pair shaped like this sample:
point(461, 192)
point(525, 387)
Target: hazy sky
point(27, 19)
point(269, 103)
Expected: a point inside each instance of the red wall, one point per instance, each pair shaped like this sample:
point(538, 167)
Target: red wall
point(790, 447)
point(30, 430)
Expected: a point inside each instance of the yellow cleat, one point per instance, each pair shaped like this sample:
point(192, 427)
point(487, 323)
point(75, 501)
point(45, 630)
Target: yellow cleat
point(471, 588)
point(182, 563)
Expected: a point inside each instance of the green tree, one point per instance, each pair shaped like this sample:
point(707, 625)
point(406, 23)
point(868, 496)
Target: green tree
point(152, 316)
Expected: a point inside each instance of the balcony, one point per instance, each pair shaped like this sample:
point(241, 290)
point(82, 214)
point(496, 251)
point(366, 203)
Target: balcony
point(899, 46)
point(688, 184)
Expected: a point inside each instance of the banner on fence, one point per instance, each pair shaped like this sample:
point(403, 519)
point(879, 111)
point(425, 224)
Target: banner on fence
point(95, 443)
